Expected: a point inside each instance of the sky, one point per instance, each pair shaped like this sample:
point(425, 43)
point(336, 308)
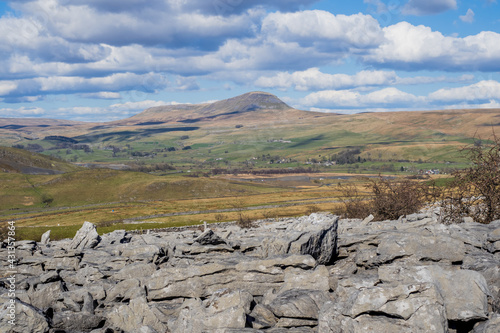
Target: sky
point(102, 60)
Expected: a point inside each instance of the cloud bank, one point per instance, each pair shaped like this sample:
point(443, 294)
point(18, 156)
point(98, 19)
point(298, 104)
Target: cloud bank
point(106, 49)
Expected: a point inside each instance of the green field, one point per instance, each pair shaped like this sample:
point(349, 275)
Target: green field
point(192, 158)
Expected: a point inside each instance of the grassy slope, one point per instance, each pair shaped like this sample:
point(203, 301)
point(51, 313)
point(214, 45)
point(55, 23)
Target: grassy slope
point(432, 136)
point(99, 186)
point(15, 160)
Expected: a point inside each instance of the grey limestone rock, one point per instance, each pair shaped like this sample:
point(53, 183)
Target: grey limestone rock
point(77, 321)
point(27, 319)
point(115, 237)
point(86, 237)
point(262, 317)
point(400, 308)
point(125, 290)
point(490, 326)
point(299, 303)
point(208, 237)
point(136, 314)
point(45, 238)
point(225, 309)
point(308, 274)
point(464, 292)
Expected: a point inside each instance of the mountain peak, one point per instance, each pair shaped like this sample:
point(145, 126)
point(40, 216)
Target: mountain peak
point(256, 100)
point(239, 105)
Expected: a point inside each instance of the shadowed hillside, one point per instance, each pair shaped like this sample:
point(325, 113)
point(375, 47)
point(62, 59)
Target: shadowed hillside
point(22, 161)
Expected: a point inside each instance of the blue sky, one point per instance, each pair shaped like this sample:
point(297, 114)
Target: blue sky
point(100, 60)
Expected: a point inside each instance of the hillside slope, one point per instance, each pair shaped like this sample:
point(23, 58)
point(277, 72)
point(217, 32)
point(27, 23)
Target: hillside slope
point(256, 124)
point(15, 160)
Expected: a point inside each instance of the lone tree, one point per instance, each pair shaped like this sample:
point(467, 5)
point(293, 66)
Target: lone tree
point(476, 190)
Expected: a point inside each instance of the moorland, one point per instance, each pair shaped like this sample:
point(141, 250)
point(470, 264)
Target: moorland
point(251, 155)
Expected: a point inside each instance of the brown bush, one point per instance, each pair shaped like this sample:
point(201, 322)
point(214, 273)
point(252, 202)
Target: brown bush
point(389, 199)
point(312, 209)
point(393, 198)
point(355, 205)
point(269, 214)
point(244, 221)
point(219, 217)
point(475, 191)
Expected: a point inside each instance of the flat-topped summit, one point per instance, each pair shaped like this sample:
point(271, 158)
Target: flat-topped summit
point(231, 107)
point(251, 101)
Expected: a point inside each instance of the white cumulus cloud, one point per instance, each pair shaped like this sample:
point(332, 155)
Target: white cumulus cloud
point(314, 79)
point(388, 97)
point(481, 91)
point(418, 47)
point(324, 29)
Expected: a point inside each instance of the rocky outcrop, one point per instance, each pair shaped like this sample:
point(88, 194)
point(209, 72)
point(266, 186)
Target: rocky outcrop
point(309, 274)
point(86, 237)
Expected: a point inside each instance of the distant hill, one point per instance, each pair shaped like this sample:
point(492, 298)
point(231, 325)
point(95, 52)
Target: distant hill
point(21, 161)
point(249, 126)
point(253, 105)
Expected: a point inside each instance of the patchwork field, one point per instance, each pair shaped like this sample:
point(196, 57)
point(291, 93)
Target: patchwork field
point(214, 162)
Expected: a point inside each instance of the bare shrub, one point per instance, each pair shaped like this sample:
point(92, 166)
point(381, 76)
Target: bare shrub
point(355, 204)
point(457, 203)
point(475, 191)
point(219, 217)
point(269, 214)
point(244, 221)
point(312, 209)
point(389, 199)
point(393, 198)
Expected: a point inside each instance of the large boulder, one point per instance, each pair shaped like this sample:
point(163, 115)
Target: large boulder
point(407, 308)
point(299, 303)
point(136, 314)
point(86, 237)
point(465, 293)
point(27, 318)
point(315, 235)
point(225, 309)
point(253, 275)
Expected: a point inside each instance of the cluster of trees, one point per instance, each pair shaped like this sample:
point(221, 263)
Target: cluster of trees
point(348, 156)
point(37, 148)
point(268, 157)
point(151, 167)
point(67, 145)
